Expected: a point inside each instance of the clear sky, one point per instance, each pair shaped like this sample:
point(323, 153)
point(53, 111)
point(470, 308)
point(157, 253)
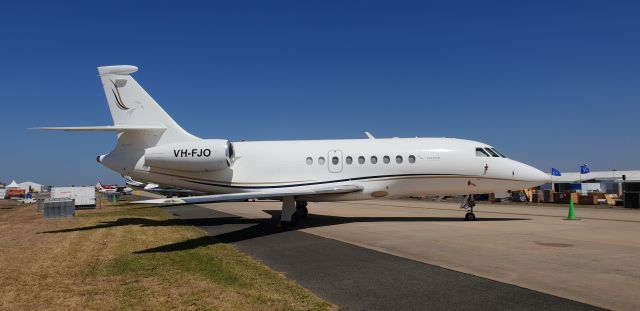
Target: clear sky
point(549, 83)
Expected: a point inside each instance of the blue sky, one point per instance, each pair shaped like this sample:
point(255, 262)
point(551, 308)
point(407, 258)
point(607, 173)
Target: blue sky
point(550, 83)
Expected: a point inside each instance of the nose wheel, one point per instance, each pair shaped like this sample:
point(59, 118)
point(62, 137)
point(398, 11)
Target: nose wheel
point(470, 216)
point(468, 204)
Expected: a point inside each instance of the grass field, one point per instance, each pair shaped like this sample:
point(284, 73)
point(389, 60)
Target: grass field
point(97, 261)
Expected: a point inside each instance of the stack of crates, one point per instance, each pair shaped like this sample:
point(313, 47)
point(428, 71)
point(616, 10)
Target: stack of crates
point(58, 208)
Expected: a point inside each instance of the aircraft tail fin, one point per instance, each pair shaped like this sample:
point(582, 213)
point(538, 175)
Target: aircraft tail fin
point(132, 107)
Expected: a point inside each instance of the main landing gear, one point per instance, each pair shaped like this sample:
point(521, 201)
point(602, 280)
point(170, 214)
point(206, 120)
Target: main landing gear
point(468, 204)
point(301, 209)
point(292, 211)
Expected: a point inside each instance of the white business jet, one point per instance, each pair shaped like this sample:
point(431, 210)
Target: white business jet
point(153, 148)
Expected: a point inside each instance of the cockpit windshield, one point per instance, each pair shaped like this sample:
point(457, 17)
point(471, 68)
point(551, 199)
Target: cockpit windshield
point(488, 152)
point(481, 153)
point(498, 152)
point(492, 153)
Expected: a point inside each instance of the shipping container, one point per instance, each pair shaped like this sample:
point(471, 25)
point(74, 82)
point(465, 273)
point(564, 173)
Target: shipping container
point(83, 196)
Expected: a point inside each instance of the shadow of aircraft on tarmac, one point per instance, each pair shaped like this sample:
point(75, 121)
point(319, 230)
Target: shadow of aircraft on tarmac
point(226, 228)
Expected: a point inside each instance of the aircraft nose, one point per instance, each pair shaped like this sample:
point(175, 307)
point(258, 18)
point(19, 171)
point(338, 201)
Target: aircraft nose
point(535, 175)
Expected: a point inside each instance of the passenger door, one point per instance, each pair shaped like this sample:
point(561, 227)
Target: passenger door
point(335, 161)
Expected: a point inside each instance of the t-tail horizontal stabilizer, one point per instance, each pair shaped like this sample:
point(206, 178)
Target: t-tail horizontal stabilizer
point(105, 128)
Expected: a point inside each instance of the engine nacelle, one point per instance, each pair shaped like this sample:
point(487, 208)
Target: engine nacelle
point(195, 156)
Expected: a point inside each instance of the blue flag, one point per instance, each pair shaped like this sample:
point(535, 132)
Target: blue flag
point(555, 172)
point(584, 169)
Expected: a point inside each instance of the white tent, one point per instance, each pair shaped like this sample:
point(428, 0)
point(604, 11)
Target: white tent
point(12, 185)
point(35, 187)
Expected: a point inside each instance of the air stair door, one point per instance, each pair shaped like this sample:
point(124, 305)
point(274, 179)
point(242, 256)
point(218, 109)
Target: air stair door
point(335, 161)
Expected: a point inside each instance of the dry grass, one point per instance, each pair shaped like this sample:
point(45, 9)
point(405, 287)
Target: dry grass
point(90, 262)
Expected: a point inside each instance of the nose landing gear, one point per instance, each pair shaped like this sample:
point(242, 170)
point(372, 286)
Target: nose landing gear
point(468, 204)
point(470, 216)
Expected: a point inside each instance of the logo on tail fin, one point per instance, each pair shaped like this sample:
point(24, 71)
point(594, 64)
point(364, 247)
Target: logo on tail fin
point(117, 96)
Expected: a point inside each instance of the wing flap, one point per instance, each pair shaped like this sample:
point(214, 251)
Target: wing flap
point(254, 195)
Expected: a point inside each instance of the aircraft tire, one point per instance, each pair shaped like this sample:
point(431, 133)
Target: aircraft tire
point(292, 222)
point(302, 212)
point(470, 217)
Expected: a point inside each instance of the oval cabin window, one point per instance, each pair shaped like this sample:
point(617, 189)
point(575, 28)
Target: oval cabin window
point(412, 159)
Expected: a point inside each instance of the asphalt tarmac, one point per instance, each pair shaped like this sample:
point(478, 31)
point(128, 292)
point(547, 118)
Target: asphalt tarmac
point(354, 277)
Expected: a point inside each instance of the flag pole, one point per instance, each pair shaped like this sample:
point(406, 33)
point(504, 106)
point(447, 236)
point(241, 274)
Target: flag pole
point(580, 177)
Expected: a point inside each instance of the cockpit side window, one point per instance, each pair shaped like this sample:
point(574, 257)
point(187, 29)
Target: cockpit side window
point(493, 154)
point(498, 152)
point(481, 153)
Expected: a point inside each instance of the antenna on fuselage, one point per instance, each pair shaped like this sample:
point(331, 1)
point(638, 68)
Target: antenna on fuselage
point(369, 135)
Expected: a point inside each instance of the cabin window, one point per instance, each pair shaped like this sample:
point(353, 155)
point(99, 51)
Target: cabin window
point(493, 154)
point(374, 159)
point(335, 160)
point(321, 160)
point(361, 159)
point(412, 159)
point(481, 153)
point(309, 160)
point(399, 159)
point(386, 159)
point(349, 160)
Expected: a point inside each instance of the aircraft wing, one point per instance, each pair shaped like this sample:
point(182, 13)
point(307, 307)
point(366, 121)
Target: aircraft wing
point(271, 194)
